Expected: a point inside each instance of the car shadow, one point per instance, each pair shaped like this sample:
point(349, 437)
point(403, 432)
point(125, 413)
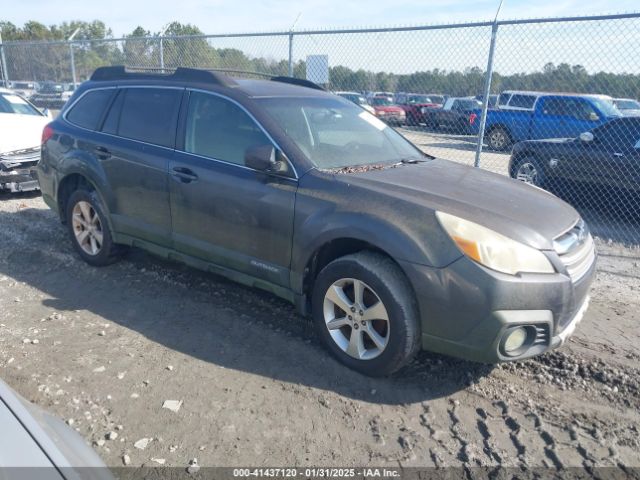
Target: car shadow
point(207, 317)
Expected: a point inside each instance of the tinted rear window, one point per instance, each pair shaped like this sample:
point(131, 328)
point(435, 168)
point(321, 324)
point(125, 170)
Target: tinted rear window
point(89, 109)
point(150, 115)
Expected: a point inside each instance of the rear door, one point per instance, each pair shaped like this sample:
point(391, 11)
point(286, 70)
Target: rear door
point(139, 138)
point(223, 211)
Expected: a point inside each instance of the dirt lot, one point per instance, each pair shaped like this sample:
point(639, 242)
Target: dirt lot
point(105, 348)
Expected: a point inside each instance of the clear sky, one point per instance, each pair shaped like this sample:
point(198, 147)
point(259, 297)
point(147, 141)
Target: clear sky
point(221, 16)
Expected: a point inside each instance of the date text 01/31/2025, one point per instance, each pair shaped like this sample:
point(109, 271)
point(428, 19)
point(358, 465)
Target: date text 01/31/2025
point(316, 473)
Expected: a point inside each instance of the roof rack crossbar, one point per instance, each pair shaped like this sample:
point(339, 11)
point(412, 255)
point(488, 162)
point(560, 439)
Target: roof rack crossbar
point(297, 81)
point(119, 72)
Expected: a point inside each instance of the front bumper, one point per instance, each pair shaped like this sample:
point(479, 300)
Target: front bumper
point(466, 309)
point(17, 170)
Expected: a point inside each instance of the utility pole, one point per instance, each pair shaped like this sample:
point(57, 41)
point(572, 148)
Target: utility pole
point(73, 62)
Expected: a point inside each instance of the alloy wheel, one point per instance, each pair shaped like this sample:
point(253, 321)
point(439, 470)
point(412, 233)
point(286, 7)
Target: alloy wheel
point(528, 173)
point(498, 139)
point(87, 228)
point(356, 318)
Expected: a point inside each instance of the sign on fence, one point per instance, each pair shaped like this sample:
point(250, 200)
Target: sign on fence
point(318, 69)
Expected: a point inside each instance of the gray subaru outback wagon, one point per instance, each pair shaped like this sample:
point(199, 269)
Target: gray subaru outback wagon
point(280, 185)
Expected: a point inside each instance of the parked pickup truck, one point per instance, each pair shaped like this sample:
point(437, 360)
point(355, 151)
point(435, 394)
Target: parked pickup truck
point(457, 114)
point(550, 116)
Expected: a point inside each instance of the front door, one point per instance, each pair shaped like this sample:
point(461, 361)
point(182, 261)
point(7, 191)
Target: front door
point(222, 211)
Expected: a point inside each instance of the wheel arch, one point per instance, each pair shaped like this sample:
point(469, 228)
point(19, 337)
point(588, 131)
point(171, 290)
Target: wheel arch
point(331, 250)
point(74, 180)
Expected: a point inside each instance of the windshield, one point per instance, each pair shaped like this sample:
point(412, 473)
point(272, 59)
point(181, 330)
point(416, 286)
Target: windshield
point(418, 99)
point(355, 98)
point(334, 133)
point(381, 102)
point(467, 104)
point(607, 107)
point(10, 103)
point(51, 88)
point(627, 104)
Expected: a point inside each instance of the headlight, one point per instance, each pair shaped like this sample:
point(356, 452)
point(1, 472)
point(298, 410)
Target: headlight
point(492, 249)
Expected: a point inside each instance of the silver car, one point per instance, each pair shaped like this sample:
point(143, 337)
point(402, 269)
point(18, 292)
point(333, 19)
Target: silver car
point(35, 444)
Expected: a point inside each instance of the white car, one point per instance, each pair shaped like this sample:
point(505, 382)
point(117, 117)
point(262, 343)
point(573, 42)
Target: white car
point(21, 126)
point(358, 99)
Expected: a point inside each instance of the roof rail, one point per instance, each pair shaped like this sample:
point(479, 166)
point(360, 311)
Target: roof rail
point(297, 81)
point(119, 72)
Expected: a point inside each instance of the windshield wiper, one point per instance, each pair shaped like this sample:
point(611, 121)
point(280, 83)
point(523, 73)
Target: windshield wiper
point(410, 161)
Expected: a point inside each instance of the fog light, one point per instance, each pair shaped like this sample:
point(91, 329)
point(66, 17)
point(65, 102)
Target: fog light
point(515, 339)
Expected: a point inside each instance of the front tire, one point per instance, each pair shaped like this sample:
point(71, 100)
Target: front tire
point(365, 313)
point(529, 170)
point(89, 230)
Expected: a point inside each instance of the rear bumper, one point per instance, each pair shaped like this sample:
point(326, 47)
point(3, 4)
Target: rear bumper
point(467, 309)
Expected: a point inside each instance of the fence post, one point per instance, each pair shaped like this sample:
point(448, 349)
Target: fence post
point(161, 55)
point(485, 95)
point(291, 54)
point(3, 64)
point(73, 65)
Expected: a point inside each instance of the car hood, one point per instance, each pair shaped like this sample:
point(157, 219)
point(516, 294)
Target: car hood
point(20, 132)
point(519, 211)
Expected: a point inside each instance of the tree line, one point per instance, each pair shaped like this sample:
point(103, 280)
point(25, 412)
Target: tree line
point(142, 48)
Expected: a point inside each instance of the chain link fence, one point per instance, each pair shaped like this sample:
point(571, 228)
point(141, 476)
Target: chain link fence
point(549, 79)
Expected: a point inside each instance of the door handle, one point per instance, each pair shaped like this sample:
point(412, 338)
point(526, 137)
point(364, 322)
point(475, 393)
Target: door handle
point(618, 154)
point(184, 174)
point(102, 152)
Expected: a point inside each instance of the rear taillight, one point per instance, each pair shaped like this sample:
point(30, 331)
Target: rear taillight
point(47, 133)
point(472, 118)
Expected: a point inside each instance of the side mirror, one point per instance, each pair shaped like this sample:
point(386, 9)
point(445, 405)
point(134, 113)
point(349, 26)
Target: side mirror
point(265, 158)
point(47, 113)
point(586, 137)
point(593, 116)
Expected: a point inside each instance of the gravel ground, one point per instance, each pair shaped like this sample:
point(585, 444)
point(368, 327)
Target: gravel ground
point(105, 348)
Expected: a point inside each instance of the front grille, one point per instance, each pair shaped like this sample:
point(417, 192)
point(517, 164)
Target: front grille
point(576, 250)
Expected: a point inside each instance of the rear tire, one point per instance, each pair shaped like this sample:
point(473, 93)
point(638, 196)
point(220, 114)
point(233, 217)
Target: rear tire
point(89, 229)
point(376, 331)
point(499, 139)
